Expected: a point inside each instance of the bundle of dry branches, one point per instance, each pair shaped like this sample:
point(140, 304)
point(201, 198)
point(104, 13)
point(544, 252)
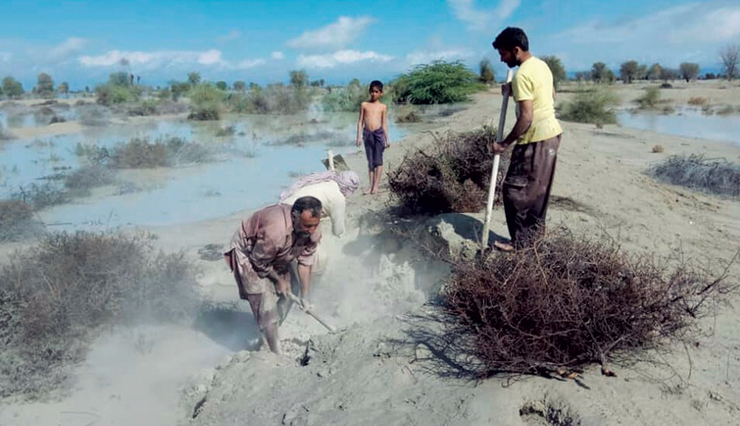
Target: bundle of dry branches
point(566, 302)
point(451, 176)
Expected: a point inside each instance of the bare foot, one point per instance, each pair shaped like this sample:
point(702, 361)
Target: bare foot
point(366, 191)
point(503, 246)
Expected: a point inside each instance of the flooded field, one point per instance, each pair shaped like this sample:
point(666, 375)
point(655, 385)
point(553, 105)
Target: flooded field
point(687, 122)
point(252, 157)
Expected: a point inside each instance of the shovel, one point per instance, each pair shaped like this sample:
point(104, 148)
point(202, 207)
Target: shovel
point(494, 174)
point(295, 299)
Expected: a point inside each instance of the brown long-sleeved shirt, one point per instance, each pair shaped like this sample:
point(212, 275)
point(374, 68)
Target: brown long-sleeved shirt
point(267, 241)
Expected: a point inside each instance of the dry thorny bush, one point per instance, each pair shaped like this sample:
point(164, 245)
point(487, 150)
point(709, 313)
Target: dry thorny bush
point(452, 175)
point(56, 296)
point(564, 303)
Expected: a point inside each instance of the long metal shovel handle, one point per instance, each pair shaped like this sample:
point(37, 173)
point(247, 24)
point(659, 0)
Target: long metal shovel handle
point(494, 173)
point(294, 298)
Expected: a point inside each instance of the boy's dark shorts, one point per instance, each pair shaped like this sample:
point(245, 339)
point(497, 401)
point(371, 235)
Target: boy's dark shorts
point(374, 147)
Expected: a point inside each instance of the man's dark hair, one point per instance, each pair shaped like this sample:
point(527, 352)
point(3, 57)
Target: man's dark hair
point(510, 38)
point(376, 83)
point(309, 203)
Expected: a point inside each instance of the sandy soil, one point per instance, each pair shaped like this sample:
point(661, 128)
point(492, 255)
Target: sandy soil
point(373, 372)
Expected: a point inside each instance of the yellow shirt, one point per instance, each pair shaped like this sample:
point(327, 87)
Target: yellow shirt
point(533, 82)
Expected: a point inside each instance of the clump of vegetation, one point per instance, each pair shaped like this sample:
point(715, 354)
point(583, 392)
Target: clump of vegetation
point(4, 136)
point(207, 102)
point(277, 99)
point(407, 115)
point(225, 131)
point(345, 99)
point(140, 153)
point(568, 301)
point(591, 106)
point(726, 110)
point(57, 296)
point(145, 108)
point(451, 176)
point(437, 83)
point(650, 99)
point(697, 101)
point(92, 115)
point(117, 90)
point(716, 176)
point(17, 220)
point(41, 196)
point(657, 149)
point(82, 180)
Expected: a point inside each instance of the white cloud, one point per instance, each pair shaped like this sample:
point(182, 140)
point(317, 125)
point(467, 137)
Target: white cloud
point(333, 36)
point(69, 47)
point(231, 36)
point(480, 19)
point(424, 57)
point(690, 32)
point(277, 55)
point(342, 57)
point(250, 63)
point(154, 60)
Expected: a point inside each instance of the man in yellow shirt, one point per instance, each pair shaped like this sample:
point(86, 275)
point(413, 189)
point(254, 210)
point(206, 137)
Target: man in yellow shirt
point(537, 134)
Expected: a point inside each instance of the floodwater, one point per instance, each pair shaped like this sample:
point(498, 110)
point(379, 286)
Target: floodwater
point(252, 166)
point(686, 122)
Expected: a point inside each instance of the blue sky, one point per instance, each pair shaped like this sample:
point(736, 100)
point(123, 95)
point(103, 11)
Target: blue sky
point(83, 41)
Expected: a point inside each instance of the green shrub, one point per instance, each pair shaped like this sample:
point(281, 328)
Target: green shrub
point(437, 83)
point(593, 106)
point(207, 102)
point(56, 297)
point(650, 99)
point(145, 108)
point(274, 99)
point(111, 94)
point(346, 99)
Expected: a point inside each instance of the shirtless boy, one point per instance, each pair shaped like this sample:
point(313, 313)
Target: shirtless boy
point(372, 127)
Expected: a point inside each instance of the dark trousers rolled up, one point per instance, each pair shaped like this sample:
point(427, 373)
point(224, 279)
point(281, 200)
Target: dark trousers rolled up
point(526, 189)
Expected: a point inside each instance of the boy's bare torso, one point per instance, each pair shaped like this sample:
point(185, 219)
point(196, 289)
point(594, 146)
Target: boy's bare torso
point(372, 113)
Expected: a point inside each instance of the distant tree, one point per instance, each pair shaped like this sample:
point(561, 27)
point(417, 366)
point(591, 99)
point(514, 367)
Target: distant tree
point(63, 88)
point(653, 72)
point(556, 68)
point(628, 70)
point(298, 78)
point(689, 71)
point(253, 86)
point(730, 56)
point(582, 76)
point(239, 86)
point(315, 83)
point(355, 83)
point(221, 85)
point(119, 79)
point(321, 82)
point(710, 76)
point(178, 88)
point(487, 75)
point(45, 85)
point(193, 78)
point(668, 74)
point(601, 74)
point(12, 87)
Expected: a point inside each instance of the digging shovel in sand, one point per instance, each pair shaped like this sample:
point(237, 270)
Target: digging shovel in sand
point(297, 301)
point(494, 173)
